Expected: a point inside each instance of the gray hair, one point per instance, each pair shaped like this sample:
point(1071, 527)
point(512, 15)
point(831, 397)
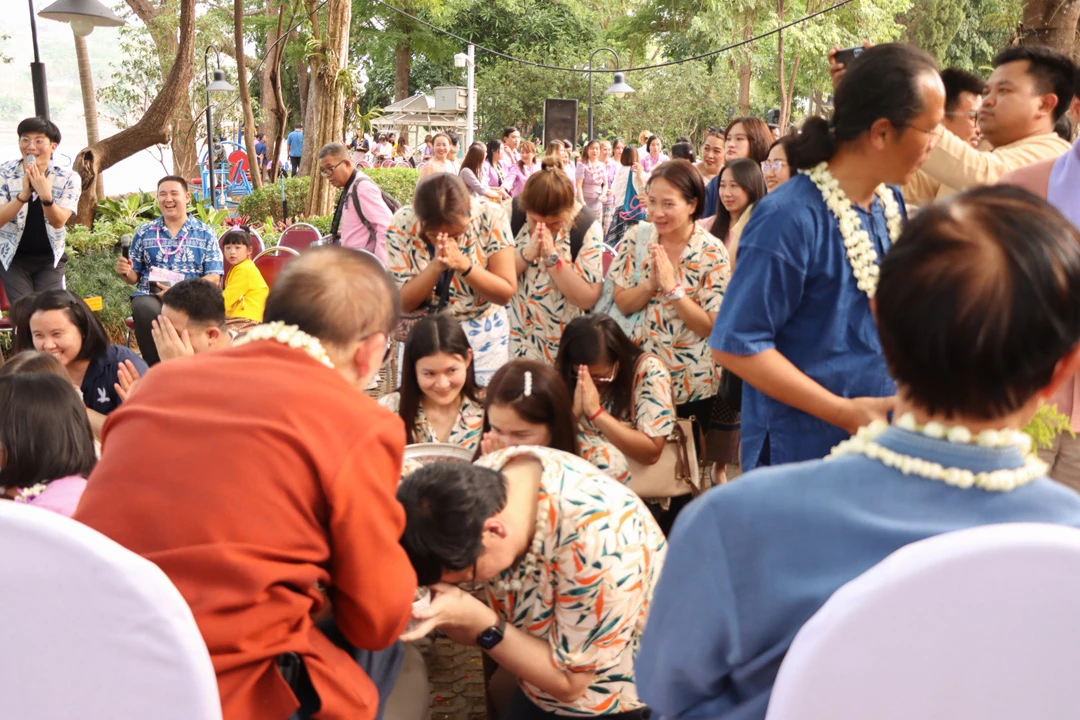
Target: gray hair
point(334, 149)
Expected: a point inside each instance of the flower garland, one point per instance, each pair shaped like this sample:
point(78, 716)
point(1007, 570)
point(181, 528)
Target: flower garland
point(860, 249)
point(25, 495)
point(289, 335)
point(513, 579)
point(864, 443)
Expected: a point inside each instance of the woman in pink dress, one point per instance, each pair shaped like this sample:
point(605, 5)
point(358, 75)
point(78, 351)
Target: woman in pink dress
point(520, 171)
point(591, 179)
point(654, 154)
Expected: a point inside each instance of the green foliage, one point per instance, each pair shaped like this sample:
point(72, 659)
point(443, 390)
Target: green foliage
point(932, 25)
point(266, 202)
point(1046, 425)
point(105, 236)
point(400, 183)
point(131, 209)
point(93, 273)
point(987, 27)
point(207, 214)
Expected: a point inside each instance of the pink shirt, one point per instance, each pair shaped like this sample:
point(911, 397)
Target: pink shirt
point(516, 177)
point(353, 232)
point(61, 496)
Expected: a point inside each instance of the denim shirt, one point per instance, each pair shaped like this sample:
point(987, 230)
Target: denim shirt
point(66, 189)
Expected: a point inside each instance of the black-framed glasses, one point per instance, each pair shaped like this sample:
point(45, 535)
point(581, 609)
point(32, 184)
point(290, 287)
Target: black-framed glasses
point(972, 115)
point(472, 585)
point(327, 172)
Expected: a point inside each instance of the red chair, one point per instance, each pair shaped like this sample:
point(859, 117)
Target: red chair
point(387, 163)
point(256, 248)
point(271, 261)
point(5, 322)
point(364, 164)
point(129, 324)
point(299, 236)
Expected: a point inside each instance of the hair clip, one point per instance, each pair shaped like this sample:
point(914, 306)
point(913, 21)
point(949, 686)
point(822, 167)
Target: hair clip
point(528, 383)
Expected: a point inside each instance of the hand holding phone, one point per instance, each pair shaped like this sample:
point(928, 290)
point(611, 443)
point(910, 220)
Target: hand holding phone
point(846, 56)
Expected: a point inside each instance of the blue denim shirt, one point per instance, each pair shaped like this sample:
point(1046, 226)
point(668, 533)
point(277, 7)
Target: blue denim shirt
point(793, 290)
point(66, 189)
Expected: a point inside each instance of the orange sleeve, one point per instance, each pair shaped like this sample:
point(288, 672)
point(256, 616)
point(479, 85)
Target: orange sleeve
point(374, 582)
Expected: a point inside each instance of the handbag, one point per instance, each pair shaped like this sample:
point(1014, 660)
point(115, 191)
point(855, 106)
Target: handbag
point(632, 209)
point(409, 319)
point(676, 473)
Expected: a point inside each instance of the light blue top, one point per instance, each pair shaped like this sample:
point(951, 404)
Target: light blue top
point(296, 143)
point(793, 290)
point(750, 562)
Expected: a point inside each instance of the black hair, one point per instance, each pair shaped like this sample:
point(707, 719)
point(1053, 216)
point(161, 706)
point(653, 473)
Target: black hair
point(548, 402)
point(747, 174)
point(173, 178)
point(94, 339)
point(39, 125)
point(687, 180)
point(203, 303)
point(34, 361)
point(19, 314)
point(976, 301)
point(446, 505)
point(432, 335)
point(1052, 71)
point(959, 81)
point(237, 235)
point(44, 432)
point(683, 150)
point(493, 146)
point(648, 143)
point(507, 132)
point(474, 158)
point(885, 83)
point(596, 338)
point(629, 155)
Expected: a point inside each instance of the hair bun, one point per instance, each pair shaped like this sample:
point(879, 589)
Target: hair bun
point(548, 165)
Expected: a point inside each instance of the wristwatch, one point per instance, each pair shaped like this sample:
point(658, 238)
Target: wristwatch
point(491, 637)
point(47, 203)
point(552, 260)
point(677, 293)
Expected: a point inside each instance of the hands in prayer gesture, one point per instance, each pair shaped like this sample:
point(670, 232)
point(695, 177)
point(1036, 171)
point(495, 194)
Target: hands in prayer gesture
point(39, 181)
point(586, 396)
point(449, 254)
point(663, 274)
point(545, 241)
point(490, 443)
point(128, 376)
point(170, 344)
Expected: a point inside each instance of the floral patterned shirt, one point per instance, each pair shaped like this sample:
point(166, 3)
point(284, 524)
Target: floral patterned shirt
point(467, 429)
point(538, 311)
point(600, 559)
point(408, 253)
point(653, 414)
point(66, 189)
point(703, 271)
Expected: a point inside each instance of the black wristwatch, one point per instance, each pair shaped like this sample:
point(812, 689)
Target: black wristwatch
point(491, 637)
point(48, 203)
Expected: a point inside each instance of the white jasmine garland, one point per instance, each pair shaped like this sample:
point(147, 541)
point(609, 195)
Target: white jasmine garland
point(864, 443)
point(289, 335)
point(861, 254)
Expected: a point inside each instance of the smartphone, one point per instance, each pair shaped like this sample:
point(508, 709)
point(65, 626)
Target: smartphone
point(846, 56)
point(162, 286)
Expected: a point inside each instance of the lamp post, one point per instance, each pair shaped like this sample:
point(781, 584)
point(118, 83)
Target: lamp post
point(467, 60)
point(220, 84)
point(84, 16)
point(619, 88)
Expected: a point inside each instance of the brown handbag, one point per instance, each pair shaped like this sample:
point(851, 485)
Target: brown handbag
point(676, 473)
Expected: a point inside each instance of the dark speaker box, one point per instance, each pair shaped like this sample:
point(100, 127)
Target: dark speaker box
point(560, 120)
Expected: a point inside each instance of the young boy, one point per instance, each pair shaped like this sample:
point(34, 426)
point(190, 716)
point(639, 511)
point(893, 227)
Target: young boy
point(245, 289)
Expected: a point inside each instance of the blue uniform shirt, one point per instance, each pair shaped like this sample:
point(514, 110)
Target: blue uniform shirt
point(750, 562)
point(97, 384)
point(793, 290)
point(296, 143)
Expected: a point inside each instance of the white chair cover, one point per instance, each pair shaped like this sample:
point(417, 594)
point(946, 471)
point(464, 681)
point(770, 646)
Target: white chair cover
point(977, 624)
point(92, 631)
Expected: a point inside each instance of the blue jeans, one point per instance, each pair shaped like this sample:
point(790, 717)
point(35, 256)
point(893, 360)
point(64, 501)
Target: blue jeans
point(382, 666)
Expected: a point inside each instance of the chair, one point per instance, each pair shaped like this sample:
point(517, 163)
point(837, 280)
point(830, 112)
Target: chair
point(387, 164)
point(979, 623)
point(299, 236)
point(256, 248)
point(271, 260)
point(364, 164)
point(94, 631)
point(6, 325)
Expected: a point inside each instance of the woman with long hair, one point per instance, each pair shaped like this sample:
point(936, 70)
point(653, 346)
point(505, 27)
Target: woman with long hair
point(591, 178)
point(776, 168)
point(557, 281)
point(741, 185)
point(796, 324)
point(449, 252)
point(747, 137)
point(527, 404)
point(622, 397)
point(494, 173)
point(712, 154)
point(472, 169)
point(611, 166)
point(441, 160)
point(521, 170)
point(628, 189)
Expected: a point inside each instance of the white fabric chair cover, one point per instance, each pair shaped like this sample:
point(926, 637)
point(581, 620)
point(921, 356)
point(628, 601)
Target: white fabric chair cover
point(977, 624)
point(92, 631)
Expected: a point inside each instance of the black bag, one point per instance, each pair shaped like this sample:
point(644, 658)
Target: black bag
point(390, 200)
point(584, 220)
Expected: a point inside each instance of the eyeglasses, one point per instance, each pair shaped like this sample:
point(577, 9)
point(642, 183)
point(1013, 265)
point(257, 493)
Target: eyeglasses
point(772, 165)
point(37, 142)
point(607, 380)
point(936, 134)
point(327, 172)
point(972, 115)
point(386, 352)
point(472, 585)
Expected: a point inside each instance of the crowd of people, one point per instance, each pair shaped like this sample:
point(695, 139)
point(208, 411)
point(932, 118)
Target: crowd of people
point(862, 313)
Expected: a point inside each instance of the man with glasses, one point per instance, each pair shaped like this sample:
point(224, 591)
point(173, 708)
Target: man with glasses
point(37, 197)
point(362, 213)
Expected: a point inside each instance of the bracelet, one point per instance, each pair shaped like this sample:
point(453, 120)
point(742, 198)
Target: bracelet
point(595, 415)
point(46, 204)
point(18, 196)
point(677, 293)
point(464, 274)
point(524, 259)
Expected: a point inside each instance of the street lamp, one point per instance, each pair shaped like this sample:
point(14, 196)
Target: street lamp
point(619, 88)
point(219, 84)
point(84, 16)
point(467, 60)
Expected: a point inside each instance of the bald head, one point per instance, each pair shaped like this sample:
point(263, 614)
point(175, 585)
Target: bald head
point(335, 294)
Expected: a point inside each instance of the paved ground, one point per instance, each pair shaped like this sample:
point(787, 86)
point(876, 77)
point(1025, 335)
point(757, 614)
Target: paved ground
point(457, 681)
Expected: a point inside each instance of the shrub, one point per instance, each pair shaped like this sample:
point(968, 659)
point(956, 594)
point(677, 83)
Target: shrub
point(398, 182)
point(266, 201)
point(92, 273)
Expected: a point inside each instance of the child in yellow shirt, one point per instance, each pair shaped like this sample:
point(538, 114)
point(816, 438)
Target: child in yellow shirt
point(245, 289)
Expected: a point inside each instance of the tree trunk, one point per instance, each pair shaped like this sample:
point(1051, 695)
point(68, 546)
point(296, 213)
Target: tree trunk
point(267, 99)
point(245, 94)
point(402, 68)
point(280, 112)
point(152, 128)
point(745, 72)
point(86, 85)
point(1052, 23)
point(302, 83)
point(328, 105)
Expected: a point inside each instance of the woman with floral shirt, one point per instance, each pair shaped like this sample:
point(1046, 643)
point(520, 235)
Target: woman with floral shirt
point(555, 284)
point(438, 398)
point(566, 618)
point(448, 252)
point(622, 397)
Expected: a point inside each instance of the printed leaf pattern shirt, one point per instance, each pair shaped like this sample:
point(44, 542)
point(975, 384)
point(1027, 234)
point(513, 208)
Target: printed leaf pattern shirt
point(703, 271)
point(199, 253)
point(466, 432)
point(539, 312)
point(66, 189)
point(600, 560)
point(653, 414)
point(408, 254)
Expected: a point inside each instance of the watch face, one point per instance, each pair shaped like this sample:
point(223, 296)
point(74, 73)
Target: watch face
point(489, 638)
point(553, 259)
